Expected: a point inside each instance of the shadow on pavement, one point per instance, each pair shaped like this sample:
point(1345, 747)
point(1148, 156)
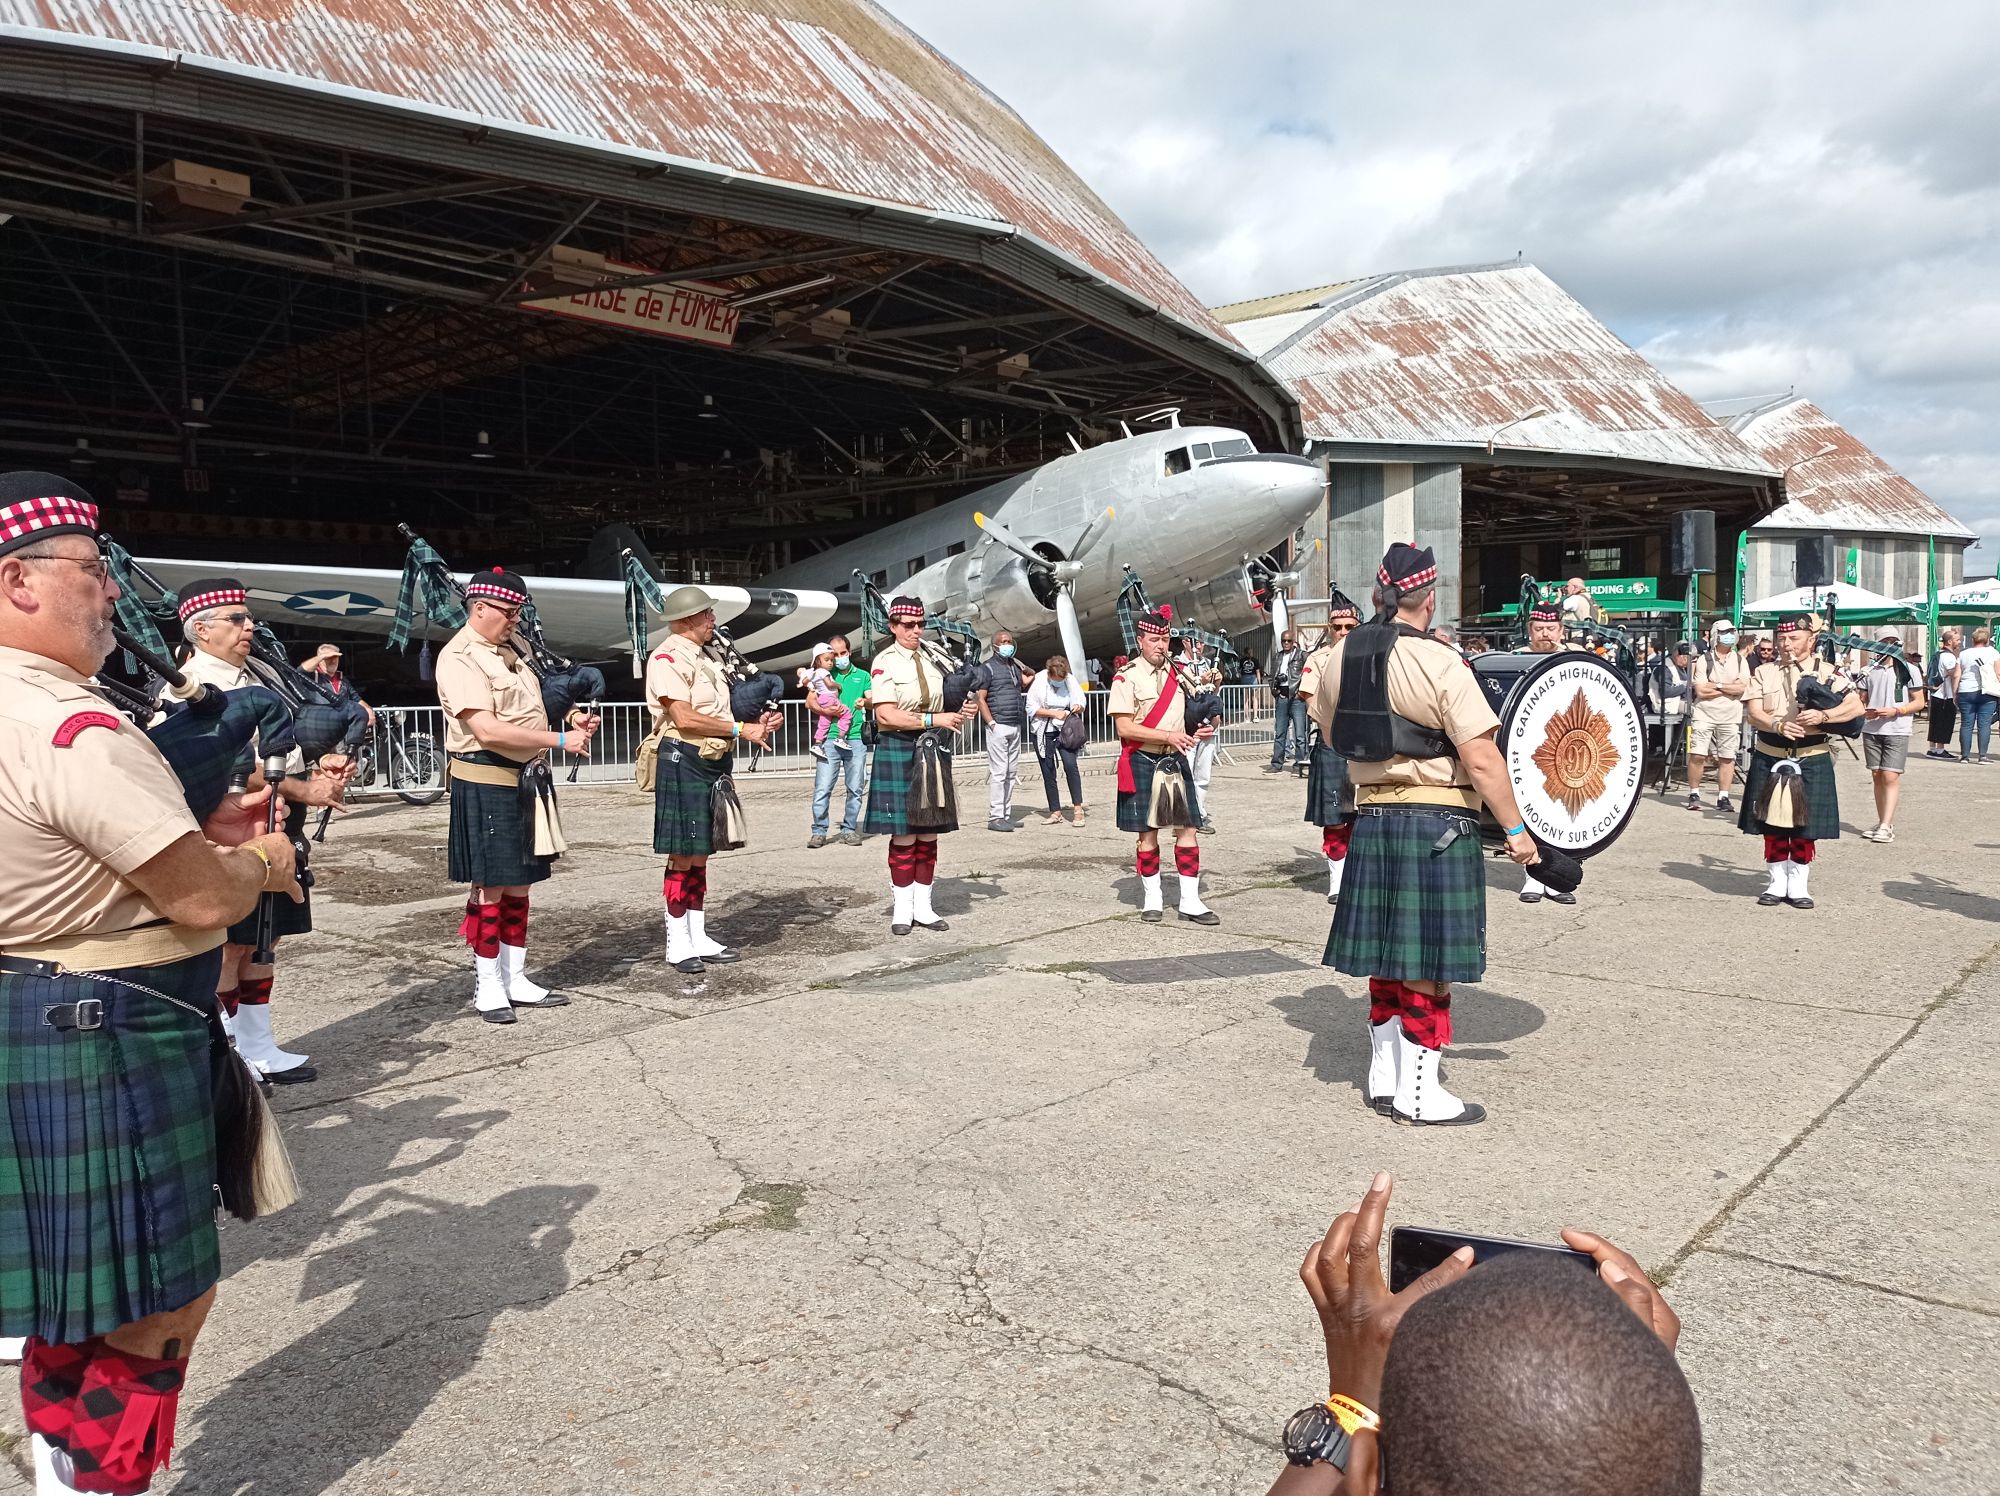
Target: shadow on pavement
point(1336, 1018)
point(1927, 892)
point(1717, 876)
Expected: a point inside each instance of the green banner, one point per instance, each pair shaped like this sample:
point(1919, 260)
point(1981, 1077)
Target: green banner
point(1851, 572)
point(1613, 594)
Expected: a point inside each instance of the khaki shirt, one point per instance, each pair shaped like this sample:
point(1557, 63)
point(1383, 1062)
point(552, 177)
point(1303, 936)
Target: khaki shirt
point(474, 676)
point(903, 677)
point(224, 675)
point(1431, 684)
point(1316, 664)
point(681, 670)
point(1713, 669)
point(1776, 687)
point(85, 799)
point(1135, 688)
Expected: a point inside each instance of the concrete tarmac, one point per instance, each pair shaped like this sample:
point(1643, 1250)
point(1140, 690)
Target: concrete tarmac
point(962, 1212)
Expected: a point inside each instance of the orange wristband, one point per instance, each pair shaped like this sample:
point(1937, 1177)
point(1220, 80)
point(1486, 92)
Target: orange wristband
point(1352, 1416)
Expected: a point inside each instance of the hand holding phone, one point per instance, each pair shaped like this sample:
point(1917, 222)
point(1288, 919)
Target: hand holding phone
point(1415, 1250)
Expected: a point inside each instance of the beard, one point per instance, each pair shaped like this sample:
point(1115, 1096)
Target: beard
point(89, 619)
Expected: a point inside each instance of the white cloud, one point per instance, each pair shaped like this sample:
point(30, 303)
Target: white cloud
point(1758, 195)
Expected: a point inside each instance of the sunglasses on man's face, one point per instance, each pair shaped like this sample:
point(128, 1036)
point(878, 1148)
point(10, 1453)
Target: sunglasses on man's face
point(241, 620)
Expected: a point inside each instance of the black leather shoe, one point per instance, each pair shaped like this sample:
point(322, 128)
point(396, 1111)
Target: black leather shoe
point(1800, 903)
point(1333, 898)
point(1562, 898)
point(1384, 1106)
point(723, 957)
point(1531, 898)
point(1769, 900)
point(1152, 916)
point(899, 929)
point(1473, 1112)
point(940, 925)
point(298, 1075)
point(1206, 917)
point(553, 1000)
point(692, 967)
point(496, 1015)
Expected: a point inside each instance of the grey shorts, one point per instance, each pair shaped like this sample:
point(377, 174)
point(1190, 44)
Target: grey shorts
point(1714, 739)
point(1880, 750)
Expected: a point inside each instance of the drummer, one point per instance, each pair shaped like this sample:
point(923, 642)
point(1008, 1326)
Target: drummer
point(1419, 737)
point(1545, 636)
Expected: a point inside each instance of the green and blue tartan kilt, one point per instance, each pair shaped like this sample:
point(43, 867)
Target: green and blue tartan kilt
point(287, 918)
point(1822, 798)
point(491, 843)
point(1135, 803)
point(684, 799)
point(1327, 798)
point(889, 787)
point(1409, 913)
point(107, 1182)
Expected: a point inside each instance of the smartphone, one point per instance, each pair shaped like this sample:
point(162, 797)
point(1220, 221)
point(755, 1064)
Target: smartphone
point(1415, 1250)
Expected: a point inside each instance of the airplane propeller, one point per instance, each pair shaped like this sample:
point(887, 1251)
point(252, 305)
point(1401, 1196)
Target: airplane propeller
point(1063, 573)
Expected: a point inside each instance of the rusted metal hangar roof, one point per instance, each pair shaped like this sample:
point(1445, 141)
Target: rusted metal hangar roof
point(1461, 357)
point(1833, 481)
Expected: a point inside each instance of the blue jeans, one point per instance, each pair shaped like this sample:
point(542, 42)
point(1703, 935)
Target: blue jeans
point(847, 755)
point(1976, 712)
point(1291, 721)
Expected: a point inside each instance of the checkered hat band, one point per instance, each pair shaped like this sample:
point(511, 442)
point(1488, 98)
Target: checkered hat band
point(58, 512)
point(220, 597)
point(1409, 583)
point(494, 590)
point(907, 612)
point(1148, 626)
point(1545, 613)
point(1794, 626)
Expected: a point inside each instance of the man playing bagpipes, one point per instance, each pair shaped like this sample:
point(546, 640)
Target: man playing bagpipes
point(1329, 795)
point(911, 799)
point(1155, 789)
point(696, 811)
point(113, 905)
point(504, 831)
point(1790, 798)
point(217, 623)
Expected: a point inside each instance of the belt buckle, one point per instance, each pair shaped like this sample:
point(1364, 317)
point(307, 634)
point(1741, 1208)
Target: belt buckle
point(85, 1014)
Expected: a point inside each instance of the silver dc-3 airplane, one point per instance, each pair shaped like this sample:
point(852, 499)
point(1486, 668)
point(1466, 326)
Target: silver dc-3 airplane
point(1044, 554)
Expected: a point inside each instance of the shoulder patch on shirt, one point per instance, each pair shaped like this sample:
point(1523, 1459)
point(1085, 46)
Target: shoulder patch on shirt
point(74, 725)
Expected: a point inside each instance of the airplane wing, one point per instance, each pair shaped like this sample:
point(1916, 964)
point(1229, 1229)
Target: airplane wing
point(582, 616)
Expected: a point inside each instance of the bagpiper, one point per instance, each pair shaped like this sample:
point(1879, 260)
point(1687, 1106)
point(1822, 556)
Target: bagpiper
point(1155, 783)
point(696, 811)
point(910, 798)
point(1329, 795)
point(504, 835)
point(1419, 738)
point(1791, 798)
point(113, 906)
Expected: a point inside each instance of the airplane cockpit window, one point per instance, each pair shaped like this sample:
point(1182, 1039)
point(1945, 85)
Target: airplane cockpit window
point(1177, 461)
point(1235, 447)
point(1200, 450)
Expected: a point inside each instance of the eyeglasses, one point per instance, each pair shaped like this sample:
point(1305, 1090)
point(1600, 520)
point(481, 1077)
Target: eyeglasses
point(100, 572)
point(510, 614)
point(241, 620)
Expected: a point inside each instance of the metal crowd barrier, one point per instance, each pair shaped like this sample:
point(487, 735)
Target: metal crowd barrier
point(410, 740)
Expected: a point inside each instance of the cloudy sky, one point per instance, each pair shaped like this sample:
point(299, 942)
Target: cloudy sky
point(1759, 195)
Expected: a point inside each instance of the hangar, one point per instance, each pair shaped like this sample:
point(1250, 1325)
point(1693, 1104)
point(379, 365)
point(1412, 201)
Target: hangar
point(750, 277)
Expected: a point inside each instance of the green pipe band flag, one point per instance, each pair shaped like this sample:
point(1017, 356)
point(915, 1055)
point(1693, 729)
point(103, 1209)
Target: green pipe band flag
point(429, 591)
point(641, 593)
point(134, 616)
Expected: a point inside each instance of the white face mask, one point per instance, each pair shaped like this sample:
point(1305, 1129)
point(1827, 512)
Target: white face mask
point(840, 662)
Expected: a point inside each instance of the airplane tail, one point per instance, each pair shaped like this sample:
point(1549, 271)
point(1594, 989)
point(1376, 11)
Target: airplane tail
point(605, 559)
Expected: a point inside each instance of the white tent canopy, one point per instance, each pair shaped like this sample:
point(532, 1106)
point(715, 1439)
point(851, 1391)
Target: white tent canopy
point(1984, 593)
point(1846, 597)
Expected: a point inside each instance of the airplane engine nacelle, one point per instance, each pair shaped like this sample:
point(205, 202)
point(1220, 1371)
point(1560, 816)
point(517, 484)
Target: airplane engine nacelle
point(1010, 600)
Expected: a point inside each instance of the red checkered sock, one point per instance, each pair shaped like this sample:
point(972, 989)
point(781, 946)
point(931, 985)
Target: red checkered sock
point(514, 920)
point(902, 864)
point(1804, 848)
point(695, 881)
point(1427, 1016)
point(480, 928)
point(1187, 861)
point(254, 992)
point(230, 1000)
point(925, 870)
point(1148, 862)
point(1385, 1000)
point(51, 1377)
point(1333, 841)
point(1777, 848)
point(123, 1430)
point(674, 889)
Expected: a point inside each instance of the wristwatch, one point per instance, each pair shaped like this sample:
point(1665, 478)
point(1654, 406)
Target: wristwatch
point(1314, 1434)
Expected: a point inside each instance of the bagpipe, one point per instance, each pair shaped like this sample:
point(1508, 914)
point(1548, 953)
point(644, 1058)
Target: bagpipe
point(752, 692)
point(1202, 702)
point(431, 589)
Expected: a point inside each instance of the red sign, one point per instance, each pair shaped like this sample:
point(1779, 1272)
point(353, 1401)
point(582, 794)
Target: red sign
point(689, 310)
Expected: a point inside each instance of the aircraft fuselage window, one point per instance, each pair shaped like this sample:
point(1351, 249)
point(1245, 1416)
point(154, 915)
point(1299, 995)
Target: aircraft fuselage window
point(1238, 447)
point(913, 567)
point(956, 548)
point(1201, 451)
point(880, 578)
point(1177, 461)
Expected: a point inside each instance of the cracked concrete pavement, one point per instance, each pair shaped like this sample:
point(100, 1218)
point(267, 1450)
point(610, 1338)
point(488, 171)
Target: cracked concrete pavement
point(953, 1213)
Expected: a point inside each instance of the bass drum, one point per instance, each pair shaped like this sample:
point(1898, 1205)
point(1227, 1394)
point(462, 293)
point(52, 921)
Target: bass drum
point(1574, 743)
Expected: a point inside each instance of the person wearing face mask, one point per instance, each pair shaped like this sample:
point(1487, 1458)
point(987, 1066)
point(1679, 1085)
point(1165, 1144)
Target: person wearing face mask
point(846, 751)
point(1719, 681)
point(1002, 703)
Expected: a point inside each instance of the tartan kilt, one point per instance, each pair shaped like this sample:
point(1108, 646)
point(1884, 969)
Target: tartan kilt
point(287, 918)
point(107, 1185)
point(1822, 798)
point(492, 839)
point(1327, 795)
point(1407, 913)
point(1135, 803)
point(889, 787)
point(684, 799)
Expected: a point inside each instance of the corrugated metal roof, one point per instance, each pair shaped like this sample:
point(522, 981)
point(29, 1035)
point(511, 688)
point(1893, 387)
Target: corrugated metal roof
point(1271, 306)
point(830, 94)
point(1447, 357)
point(1849, 489)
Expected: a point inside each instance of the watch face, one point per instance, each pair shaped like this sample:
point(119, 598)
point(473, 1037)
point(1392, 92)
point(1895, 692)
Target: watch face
point(1314, 1434)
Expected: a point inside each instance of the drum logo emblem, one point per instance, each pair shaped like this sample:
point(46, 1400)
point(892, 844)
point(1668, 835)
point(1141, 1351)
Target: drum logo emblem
point(1576, 755)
